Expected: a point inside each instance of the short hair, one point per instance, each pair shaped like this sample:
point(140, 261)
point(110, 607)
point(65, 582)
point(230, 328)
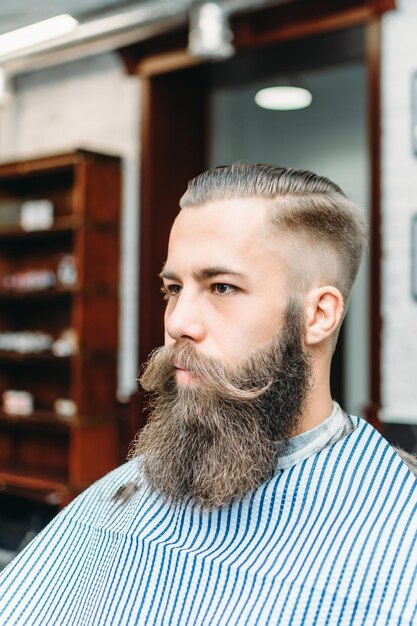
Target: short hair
point(302, 202)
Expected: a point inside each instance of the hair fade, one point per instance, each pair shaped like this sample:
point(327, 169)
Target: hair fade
point(302, 202)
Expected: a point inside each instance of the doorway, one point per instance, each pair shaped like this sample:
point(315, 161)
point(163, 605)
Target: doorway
point(179, 97)
point(329, 138)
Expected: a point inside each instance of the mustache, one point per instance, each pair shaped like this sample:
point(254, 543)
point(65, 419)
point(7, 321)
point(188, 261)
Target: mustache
point(158, 373)
point(216, 439)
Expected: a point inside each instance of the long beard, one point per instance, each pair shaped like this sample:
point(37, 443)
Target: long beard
point(217, 439)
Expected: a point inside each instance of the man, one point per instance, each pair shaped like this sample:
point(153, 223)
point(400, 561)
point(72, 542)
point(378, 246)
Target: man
point(250, 497)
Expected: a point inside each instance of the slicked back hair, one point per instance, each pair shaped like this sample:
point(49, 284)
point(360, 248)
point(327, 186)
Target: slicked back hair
point(302, 203)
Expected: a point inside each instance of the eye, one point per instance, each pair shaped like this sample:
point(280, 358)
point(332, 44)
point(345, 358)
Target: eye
point(223, 288)
point(168, 291)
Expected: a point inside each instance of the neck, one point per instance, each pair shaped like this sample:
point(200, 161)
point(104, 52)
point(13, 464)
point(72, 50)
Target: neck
point(319, 404)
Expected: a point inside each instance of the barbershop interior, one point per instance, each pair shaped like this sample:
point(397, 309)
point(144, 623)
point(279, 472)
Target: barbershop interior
point(107, 109)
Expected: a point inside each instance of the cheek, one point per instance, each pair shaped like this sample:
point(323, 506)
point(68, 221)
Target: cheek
point(262, 320)
point(168, 341)
point(255, 329)
point(237, 341)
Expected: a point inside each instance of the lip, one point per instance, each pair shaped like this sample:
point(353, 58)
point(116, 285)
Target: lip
point(183, 376)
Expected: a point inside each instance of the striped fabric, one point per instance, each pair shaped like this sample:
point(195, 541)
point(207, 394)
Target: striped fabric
point(330, 540)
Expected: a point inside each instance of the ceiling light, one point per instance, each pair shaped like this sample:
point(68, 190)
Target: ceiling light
point(36, 33)
point(210, 34)
point(283, 98)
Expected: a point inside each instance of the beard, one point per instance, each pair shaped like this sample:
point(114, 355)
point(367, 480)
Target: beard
point(217, 439)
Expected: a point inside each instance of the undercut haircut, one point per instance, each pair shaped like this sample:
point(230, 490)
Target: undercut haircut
point(302, 203)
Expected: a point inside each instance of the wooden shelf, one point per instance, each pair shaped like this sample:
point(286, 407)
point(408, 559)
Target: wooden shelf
point(38, 487)
point(47, 358)
point(38, 418)
point(47, 164)
point(56, 293)
point(61, 225)
point(42, 358)
point(85, 191)
point(41, 294)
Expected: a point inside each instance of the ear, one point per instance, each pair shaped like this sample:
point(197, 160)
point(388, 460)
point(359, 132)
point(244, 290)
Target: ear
point(324, 311)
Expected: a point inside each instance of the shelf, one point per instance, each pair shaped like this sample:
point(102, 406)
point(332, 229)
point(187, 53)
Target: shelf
point(56, 293)
point(45, 294)
point(38, 487)
point(38, 418)
point(85, 190)
point(47, 358)
point(47, 164)
point(61, 225)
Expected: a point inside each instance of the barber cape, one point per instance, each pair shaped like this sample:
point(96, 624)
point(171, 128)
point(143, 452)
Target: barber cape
point(329, 540)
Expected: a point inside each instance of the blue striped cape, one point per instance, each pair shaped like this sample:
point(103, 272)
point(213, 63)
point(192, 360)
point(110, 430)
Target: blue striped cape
point(328, 541)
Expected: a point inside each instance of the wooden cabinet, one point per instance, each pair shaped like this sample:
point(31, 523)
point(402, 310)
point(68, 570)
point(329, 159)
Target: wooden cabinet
point(59, 285)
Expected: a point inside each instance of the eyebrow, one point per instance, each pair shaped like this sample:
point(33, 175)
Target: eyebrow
point(205, 273)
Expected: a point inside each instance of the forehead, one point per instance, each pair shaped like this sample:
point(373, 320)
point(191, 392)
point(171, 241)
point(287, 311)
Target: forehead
point(229, 224)
point(227, 233)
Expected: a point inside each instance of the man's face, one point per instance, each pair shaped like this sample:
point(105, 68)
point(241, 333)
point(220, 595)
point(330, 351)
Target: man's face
point(233, 377)
point(224, 280)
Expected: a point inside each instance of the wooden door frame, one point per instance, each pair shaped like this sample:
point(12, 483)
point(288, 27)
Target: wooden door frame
point(373, 67)
point(173, 147)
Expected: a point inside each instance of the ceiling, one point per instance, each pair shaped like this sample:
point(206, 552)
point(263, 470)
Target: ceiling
point(17, 13)
point(103, 25)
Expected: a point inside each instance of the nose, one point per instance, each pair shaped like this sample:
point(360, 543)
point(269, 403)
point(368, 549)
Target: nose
point(183, 318)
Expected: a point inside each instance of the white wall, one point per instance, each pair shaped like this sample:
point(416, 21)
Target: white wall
point(93, 104)
point(328, 138)
point(399, 204)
